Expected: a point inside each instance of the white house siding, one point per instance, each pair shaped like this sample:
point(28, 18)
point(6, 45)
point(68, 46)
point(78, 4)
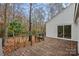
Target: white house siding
point(78, 36)
point(64, 18)
point(76, 32)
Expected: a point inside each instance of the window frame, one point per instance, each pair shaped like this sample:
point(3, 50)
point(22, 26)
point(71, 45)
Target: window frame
point(64, 31)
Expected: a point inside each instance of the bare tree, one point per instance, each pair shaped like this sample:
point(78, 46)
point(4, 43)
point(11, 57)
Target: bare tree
point(30, 37)
point(5, 23)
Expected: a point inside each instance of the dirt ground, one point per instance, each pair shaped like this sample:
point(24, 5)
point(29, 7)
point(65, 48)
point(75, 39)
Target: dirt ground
point(15, 43)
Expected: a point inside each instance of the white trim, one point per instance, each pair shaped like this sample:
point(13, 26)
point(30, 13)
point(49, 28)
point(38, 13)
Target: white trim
point(63, 31)
point(64, 38)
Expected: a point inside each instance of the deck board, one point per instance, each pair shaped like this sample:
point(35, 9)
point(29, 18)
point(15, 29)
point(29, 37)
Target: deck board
point(49, 47)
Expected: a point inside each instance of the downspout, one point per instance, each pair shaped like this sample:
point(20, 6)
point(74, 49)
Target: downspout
point(75, 13)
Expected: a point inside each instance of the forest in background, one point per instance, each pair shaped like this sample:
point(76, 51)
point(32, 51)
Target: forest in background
point(16, 17)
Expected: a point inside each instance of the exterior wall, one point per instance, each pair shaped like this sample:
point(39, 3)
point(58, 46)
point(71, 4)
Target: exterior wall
point(78, 36)
point(64, 18)
point(75, 32)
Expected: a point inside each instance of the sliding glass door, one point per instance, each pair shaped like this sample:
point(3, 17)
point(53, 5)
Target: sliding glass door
point(64, 31)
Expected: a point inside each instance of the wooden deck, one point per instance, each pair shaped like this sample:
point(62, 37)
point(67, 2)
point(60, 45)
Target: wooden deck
point(49, 47)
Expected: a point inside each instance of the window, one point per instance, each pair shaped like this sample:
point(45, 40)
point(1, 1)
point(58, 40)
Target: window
point(64, 31)
point(67, 31)
point(60, 31)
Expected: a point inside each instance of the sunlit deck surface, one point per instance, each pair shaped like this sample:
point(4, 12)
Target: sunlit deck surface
point(48, 47)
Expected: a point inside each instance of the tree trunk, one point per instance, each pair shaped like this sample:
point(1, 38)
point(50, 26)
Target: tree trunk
point(5, 24)
point(30, 36)
point(30, 22)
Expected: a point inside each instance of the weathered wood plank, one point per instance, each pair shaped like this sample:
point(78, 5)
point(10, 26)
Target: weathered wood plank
point(49, 47)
